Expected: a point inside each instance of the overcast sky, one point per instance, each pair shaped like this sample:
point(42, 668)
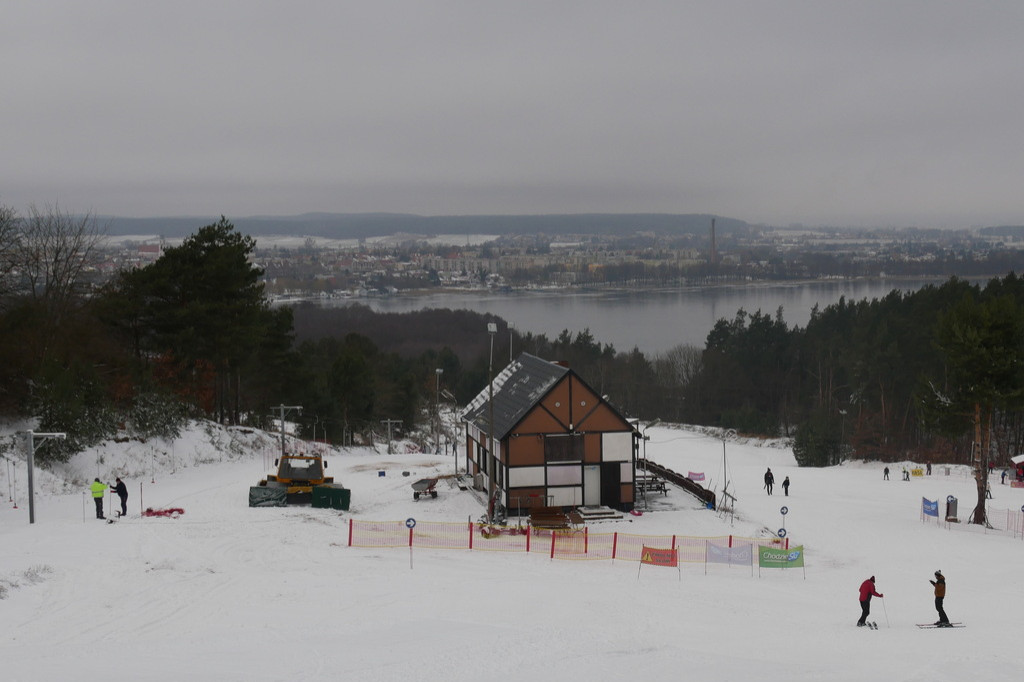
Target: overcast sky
point(771, 111)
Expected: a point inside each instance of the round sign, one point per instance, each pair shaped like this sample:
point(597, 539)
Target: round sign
point(410, 522)
point(951, 499)
point(782, 532)
point(784, 510)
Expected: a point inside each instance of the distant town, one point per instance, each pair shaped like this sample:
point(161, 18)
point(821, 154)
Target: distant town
point(319, 266)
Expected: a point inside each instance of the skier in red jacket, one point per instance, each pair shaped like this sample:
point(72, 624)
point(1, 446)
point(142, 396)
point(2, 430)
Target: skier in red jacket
point(867, 590)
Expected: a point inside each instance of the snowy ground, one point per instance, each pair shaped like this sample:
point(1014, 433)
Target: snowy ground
point(226, 592)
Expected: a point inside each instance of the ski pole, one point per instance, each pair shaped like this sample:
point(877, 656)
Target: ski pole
point(886, 612)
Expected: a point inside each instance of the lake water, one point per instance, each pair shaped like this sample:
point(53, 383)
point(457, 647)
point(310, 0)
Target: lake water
point(653, 321)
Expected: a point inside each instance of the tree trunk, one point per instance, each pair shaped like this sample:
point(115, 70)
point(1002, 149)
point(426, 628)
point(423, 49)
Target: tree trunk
point(981, 444)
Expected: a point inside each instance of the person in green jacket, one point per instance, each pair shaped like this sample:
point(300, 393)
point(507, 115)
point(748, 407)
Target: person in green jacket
point(98, 489)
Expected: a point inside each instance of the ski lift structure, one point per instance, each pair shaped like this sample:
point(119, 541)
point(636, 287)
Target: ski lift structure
point(727, 500)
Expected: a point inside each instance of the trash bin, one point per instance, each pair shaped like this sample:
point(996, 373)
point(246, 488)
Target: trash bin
point(331, 497)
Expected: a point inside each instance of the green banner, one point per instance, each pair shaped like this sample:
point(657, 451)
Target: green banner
point(773, 557)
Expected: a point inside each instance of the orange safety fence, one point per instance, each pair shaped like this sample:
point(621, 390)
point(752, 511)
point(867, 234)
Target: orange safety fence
point(568, 544)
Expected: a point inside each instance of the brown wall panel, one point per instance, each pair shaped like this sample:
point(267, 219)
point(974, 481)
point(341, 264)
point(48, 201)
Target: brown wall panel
point(526, 451)
point(592, 448)
point(529, 497)
point(557, 401)
point(539, 421)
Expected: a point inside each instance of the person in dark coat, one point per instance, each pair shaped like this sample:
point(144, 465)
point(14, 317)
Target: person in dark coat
point(785, 485)
point(867, 590)
point(122, 492)
point(885, 474)
point(940, 594)
point(769, 480)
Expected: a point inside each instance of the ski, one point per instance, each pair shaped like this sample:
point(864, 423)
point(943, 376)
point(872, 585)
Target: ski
point(933, 626)
point(873, 625)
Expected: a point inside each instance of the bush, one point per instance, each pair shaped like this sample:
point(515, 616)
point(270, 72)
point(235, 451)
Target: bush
point(73, 402)
point(817, 442)
point(157, 415)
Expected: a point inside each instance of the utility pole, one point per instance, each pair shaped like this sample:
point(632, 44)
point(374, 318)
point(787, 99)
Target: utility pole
point(389, 423)
point(30, 451)
point(437, 410)
point(285, 409)
point(492, 464)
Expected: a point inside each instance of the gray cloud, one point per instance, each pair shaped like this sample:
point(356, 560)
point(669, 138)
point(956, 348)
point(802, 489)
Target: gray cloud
point(866, 113)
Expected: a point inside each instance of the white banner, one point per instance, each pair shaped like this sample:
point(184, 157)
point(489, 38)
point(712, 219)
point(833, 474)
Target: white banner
point(742, 555)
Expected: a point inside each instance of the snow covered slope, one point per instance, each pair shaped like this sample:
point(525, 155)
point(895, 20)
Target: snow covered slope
point(226, 592)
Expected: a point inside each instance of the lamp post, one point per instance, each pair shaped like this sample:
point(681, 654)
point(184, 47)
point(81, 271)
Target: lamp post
point(647, 438)
point(437, 410)
point(643, 488)
point(492, 329)
point(285, 409)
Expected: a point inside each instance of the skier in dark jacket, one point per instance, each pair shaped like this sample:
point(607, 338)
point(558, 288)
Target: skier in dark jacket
point(122, 492)
point(785, 485)
point(940, 595)
point(867, 590)
point(769, 480)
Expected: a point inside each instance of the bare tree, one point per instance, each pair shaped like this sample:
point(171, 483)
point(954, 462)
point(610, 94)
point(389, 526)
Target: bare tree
point(53, 251)
point(680, 364)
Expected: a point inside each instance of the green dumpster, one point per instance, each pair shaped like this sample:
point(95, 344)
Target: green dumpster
point(331, 497)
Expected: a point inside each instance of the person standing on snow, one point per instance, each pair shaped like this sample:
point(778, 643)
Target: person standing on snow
point(867, 590)
point(940, 595)
point(885, 474)
point(785, 485)
point(769, 480)
point(98, 489)
point(122, 492)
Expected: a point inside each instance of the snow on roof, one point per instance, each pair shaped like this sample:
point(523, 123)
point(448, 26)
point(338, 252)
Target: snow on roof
point(517, 388)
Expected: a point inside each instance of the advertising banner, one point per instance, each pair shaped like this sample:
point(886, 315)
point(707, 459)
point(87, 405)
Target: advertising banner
point(741, 555)
point(771, 557)
point(694, 476)
point(929, 507)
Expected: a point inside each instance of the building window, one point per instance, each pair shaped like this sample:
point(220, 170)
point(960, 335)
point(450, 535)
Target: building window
point(563, 448)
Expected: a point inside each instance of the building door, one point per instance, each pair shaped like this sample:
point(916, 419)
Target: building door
point(591, 485)
point(611, 488)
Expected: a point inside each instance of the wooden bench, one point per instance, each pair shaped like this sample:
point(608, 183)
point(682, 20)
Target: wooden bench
point(651, 483)
point(548, 518)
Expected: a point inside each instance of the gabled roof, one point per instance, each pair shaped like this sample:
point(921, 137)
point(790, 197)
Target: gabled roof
point(517, 389)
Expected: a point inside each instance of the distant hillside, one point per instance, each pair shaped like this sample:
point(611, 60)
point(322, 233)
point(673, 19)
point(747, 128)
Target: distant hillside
point(1016, 231)
point(357, 225)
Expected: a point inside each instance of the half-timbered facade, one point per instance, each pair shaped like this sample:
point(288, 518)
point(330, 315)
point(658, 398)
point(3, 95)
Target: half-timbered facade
point(557, 441)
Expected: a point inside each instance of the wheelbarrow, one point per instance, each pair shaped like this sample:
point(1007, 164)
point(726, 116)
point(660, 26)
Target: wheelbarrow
point(424, 486)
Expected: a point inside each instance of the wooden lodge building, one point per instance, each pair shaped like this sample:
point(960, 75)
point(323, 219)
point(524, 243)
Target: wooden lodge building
point(558, 442)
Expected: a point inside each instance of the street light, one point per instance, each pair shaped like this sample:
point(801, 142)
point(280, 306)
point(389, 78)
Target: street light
point(492, 329)
point(284, 410)
point(643, 487)
point(647, 438)
point(437, 410)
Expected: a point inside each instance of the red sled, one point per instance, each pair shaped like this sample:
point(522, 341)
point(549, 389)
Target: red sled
point(173, 512)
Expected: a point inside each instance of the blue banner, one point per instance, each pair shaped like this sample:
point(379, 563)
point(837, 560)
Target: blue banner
point(929, 508)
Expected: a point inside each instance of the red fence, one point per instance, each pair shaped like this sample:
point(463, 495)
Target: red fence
point(558, 544)
point(1009, 520)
